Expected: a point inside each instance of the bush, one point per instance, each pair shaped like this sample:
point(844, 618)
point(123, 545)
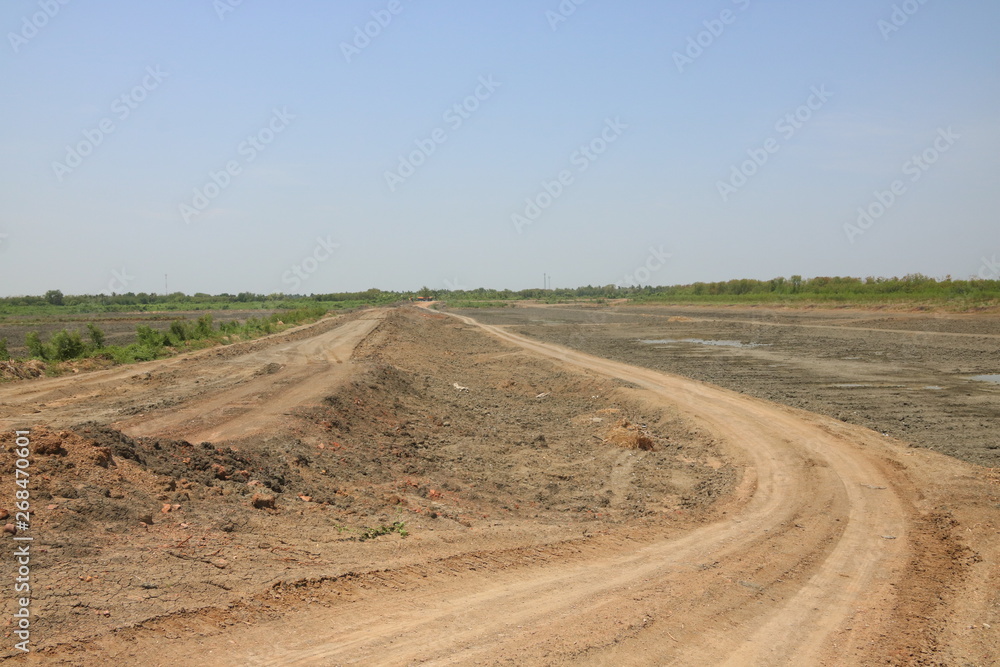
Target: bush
point(67, 345)
point(4, 354)
point(179, 331)
point(133, 353)
point(204, 326)
point(149, 337)
point(96, 336)
point(36, 349)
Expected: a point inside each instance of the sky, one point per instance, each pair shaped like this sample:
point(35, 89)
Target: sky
point(314, 146)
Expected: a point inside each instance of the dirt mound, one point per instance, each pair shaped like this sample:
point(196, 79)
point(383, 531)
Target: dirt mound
point(203, 464)
point(21, 370)
point(394, 466)
point(627, 435)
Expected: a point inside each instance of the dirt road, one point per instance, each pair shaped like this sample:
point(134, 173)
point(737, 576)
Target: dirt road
point(229, 384)
point(822, 558)
point(836, 545)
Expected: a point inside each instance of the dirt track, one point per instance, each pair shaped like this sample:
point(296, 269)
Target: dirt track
point(836, 546)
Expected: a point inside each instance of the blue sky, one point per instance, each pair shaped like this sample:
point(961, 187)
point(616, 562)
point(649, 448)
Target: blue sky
point(349, 166)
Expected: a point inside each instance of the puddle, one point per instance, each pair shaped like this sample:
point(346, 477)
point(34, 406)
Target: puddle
point(933, 387)
point(988, 378)
point(702, 341)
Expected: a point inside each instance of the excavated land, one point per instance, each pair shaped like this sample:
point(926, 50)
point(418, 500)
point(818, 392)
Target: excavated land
point(396, 486)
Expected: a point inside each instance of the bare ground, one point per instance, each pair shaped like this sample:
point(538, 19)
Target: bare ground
point(559, 508)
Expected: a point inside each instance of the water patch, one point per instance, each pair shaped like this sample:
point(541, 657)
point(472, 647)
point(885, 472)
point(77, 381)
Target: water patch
point(702, 341)
point(988, 378)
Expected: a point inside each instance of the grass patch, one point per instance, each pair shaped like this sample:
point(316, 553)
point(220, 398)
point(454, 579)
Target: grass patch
point(372, 533)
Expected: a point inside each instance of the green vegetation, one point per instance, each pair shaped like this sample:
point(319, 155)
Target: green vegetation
point(96, 336)
point(372, 533)
point(285, 310)
point(913, 289)
point(4, 354)
point(152, 344)
point(55, 303)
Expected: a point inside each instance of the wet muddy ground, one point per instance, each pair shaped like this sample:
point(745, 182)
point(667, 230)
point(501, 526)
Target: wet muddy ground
point(908, 375)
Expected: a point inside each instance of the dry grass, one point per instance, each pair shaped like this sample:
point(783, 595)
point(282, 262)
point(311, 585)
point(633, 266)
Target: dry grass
point(627, 435)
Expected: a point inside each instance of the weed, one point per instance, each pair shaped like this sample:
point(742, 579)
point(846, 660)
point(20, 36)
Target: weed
point(372, 533)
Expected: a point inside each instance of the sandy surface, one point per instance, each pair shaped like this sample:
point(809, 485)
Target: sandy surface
point(453, 494)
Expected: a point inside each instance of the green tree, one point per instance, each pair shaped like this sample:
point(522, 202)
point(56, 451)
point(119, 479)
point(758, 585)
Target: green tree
point(54, 297)
point(796, 284)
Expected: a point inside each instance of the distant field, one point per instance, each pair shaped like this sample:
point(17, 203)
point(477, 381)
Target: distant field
point(119, 328)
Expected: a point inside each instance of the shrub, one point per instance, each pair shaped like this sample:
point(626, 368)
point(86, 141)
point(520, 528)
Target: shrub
point(67, 345)
point(179, 331)
point(133, 353)
point(4, 354)
point(149, 337)
point(96, 336)
point(36, 349)
point(204, 326)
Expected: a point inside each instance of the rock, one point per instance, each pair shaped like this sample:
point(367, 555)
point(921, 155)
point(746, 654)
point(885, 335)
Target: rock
point(10, 529)
point(220, 563)
point(262, 501)
point(102, 456)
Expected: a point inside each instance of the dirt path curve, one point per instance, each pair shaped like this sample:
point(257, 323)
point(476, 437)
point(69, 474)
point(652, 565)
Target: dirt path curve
point(804, 570)
point(277, 380)
point(202, 395)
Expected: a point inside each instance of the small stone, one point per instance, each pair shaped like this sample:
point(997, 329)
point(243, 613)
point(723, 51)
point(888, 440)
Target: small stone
point(262, 501)
point(220, 563)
